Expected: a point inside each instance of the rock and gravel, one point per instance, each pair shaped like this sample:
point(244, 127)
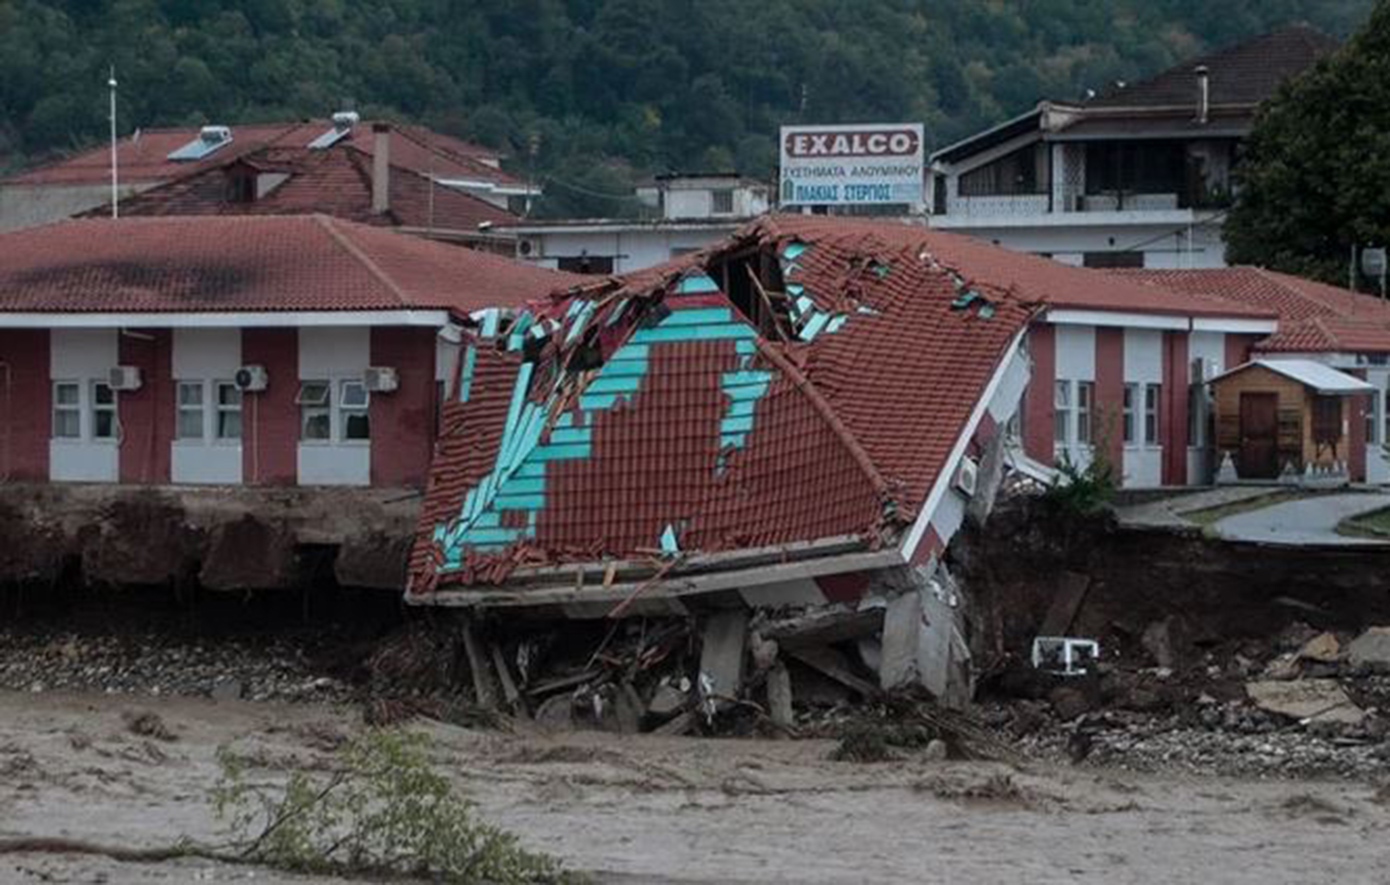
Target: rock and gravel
point(153, 661)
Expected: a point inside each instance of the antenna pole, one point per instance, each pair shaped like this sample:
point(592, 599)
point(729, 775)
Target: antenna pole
point(115, 174)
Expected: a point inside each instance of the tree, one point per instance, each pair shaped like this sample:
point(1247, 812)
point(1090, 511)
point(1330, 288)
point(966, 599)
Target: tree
point(1315, 177)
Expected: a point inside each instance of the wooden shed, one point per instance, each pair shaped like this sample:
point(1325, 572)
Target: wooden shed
point(1278, 413)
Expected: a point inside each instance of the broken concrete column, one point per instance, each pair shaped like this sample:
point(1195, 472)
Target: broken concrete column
point(987, 479)
point(721, 656)
point(923, 640)
point(779, 696)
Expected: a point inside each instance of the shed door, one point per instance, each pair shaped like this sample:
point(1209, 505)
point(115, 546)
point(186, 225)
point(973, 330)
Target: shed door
point(1259, 435)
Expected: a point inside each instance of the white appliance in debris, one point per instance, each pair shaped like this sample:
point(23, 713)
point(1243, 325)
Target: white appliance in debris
point(968, 476)
point(251, 379)
point(124, 378)
point(380, 379)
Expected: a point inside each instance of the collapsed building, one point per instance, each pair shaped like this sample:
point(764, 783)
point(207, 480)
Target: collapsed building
point(802, 416)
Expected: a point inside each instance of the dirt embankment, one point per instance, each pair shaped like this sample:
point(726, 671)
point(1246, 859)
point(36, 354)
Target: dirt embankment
point(218, 539)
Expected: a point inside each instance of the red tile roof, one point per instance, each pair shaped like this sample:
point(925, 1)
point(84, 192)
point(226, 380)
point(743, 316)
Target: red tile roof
point(1053, 284)
point(142, 158)
point(1314, 317)
point(251, 264)
point(335, 182)
point(844, 434)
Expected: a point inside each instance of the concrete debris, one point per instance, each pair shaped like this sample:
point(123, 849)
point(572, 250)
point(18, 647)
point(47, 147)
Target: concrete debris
point(1167, 641)
point(721, 657)
point(1371, 650)
point(1307, 700)
point(1323, 648)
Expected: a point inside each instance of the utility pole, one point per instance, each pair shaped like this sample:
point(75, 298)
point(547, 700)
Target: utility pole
point(115, 174)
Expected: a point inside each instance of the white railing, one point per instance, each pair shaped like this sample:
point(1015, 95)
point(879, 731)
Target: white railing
point(994, 207)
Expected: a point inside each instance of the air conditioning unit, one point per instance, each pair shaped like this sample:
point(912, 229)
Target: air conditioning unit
point(125, 378)
point(968, 477)
point(251, 379)
point(380, 379)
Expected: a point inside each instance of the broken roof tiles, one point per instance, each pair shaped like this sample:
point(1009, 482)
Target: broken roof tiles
point(670, 411)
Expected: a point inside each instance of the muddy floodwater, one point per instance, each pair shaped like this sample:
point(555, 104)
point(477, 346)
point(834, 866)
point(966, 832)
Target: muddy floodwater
point(685, 810)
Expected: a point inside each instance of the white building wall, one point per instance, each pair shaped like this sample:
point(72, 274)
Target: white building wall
point(631, 249)
point(1076, 362)
point(1210, 348)
point(84, 356)
point(334, 354)
point(208, 356)
point(1377, 468)
point(1143, 463)
point(1164, 242)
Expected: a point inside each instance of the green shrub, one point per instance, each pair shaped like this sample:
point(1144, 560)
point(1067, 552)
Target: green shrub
point(385, 811)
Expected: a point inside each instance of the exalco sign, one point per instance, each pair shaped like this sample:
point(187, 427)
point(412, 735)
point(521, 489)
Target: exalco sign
point(852, 165)
point(900, 143)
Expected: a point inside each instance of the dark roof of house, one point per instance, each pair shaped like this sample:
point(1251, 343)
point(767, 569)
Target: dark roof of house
point(258, 264)
point(1239, 78)
point(655, 406)
point(1244, 74)
point(336, 182)
point(143, 157)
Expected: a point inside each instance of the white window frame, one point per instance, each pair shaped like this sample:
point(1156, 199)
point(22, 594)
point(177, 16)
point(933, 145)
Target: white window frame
point(95, 409)
point(318, 405)
point(74, 408)
point(1128, 424)
point(200, 409)
point(1153, 416)
point(1061, 413)
point(1085, 400)
point(345, 411)
point(218, 409)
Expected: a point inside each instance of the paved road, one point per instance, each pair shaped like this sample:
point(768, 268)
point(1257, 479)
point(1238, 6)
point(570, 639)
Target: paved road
point(1307, 521)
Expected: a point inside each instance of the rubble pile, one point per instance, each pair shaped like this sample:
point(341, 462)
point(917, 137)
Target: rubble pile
point(281, 666)
point(1307, 703)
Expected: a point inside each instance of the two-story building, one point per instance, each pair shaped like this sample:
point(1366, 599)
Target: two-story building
point(384, 174)
point(687, 212)
point(296, 350)
point(1139, 175)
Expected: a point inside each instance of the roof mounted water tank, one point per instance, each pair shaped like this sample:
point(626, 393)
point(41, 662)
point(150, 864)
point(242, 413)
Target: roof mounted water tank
point(343, 121)
point(209, 139)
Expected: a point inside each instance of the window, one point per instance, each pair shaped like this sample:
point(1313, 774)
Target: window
point(595, 264)
point(103, 411)
point(241, 186)
point(1085, 394)
point(315, 411)
point(1152, 396)
point(67, 410)
point(1131, 394)
point(1022, 172)
point(228, 411)
point(1112, 259)
point(1061, 411)
point(1327, 421)
point(721, 201)
point(352, 403)
point(190, 410)
point(1372, 418)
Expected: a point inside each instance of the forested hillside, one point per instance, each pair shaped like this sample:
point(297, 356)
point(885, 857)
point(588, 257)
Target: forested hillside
point(585, 94)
